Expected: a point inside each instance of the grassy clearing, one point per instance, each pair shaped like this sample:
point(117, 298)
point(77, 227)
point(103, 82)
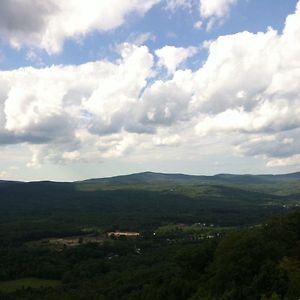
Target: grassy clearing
point(34, 283)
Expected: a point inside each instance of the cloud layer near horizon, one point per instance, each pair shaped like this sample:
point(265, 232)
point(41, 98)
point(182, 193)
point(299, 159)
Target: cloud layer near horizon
point(246, 91)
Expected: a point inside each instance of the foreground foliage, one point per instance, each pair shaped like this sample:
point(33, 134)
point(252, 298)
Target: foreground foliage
point(261, 262)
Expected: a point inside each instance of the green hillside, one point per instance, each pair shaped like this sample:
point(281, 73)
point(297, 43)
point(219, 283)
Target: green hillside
point(195, 238)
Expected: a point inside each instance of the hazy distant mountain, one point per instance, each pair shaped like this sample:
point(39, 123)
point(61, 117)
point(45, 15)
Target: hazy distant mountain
point(150, 177)
point(153, 177)
point(8, 182)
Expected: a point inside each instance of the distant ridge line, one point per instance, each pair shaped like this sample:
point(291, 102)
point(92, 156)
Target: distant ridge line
point(149, 176)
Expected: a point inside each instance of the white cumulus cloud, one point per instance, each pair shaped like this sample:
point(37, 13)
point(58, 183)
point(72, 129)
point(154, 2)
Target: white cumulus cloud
point(246, 93)
point(214, 10)
point(172, 57)
point(47, 24)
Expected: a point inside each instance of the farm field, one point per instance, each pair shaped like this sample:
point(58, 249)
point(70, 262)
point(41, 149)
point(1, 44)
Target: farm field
point(25, 283)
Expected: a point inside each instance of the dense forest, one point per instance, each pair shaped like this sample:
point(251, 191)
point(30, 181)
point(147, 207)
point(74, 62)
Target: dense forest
point(227, 237)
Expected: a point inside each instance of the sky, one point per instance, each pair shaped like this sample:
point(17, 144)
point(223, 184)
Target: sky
point(96, 88)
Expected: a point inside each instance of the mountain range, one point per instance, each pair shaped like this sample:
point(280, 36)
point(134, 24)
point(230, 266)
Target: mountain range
point(148, 177)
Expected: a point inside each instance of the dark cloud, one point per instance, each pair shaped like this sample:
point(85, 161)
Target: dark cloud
point(17, 16)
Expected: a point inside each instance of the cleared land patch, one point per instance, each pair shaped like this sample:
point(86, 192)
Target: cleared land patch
point(34, 283)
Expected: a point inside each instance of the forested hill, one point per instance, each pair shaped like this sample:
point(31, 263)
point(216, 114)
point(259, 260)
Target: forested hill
point(255, 263)
point(150, 177)
point(197, 238)
point(154, 177)
point(283, 184)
